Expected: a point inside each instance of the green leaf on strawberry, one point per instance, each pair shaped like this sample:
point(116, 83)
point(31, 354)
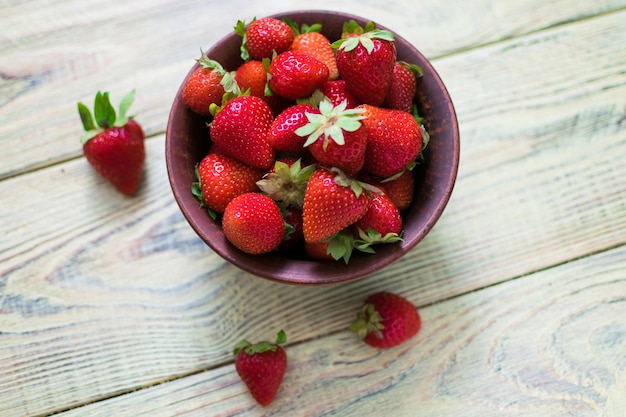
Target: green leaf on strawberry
point(331, 122)
point(104, 114)
point(261, 347)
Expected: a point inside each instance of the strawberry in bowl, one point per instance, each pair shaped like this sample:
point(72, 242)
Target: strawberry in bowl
point(340, 144)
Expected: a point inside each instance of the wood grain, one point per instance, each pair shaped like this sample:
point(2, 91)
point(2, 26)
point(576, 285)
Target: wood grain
point(101, 295)
point(68, 50)
point(548, 344)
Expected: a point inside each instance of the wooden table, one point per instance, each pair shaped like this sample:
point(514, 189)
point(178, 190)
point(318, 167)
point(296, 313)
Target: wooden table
point(112, 306)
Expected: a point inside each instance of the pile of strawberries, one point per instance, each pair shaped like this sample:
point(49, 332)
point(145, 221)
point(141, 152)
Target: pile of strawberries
point(312, 140)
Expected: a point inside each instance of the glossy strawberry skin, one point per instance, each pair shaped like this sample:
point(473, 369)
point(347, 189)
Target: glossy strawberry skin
point(294, 75)
point(394, 140)
point(253, 76)
point(240, 130)
point(266, 35)
point(318, 46)
point(400, 189)
point(402, 89)
point(282, 136)
point(329, 207)
point(337, 91)
point(399, 316)
point(118, 154)
point(202, 89)
point(382, 215)
point(262, 372)
point(223, 178)
point(253, 223)
point(368, 75)
point(348, 157)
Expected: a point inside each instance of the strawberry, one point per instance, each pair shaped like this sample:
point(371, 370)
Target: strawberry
point(337, 91)
point(286, 182)
point(282, 136)
point(252, 75)
point(204, 87)
point(386, 320)
point(253, 223)
point(365, 61)
point(394, 140)
point(399, 187)
point(264, 37)
point(222, 178)
point(338, 246)
point(295, 75)
point(114, 144)
point(381, 223)
point(261, 366)
point(240, 130)
point(332, 201)
point(403, 87)
point(309, 40)
point(336, 137)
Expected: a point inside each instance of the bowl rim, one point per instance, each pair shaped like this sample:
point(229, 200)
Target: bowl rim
point(278, 268)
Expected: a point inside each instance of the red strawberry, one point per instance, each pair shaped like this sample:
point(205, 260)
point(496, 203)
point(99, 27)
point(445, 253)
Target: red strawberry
point(222, 178)
point(386, 320)
point(366, 63)
point(282, 136)
point(403, 87)
point(240, 130)
point(337, 91)
point(394, 140)
point(295, 75)
point(309, 40)
point(399, 188)
point(381, 223)
point(253, 223)
point(336, 137)
point(332, 202)
point(252, 75)
point(261, 366)
point(204, 87)
point(262, 37)
point(114, 144)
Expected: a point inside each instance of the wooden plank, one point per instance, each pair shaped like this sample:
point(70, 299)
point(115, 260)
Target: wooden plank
point(71, 49)
point(101, 294)
point(550, 344)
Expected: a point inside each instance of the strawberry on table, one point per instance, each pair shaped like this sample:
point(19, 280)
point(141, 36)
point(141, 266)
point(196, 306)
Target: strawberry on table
point(263, 37)
point(204, 87)
point(114, 143)
point(222, 178)
point(240, 130)
point(386, 320)
point(394, 140)
point(365, 61)
point(295, 75)
point(336, 137)
point(253, 223)
point(261, 366)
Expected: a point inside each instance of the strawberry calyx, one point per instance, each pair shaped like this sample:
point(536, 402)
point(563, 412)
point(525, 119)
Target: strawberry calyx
point(330, 123)
point(260, 347)
point(104, 115)
point(358, 187)
point(351, 27)
point(368, 321)
point(353, 34)
point(240, 29)
point(304, 28)
point(205, 62)
point(196, 190)
point(372, 237)
point(287, 183)
point(340, 245)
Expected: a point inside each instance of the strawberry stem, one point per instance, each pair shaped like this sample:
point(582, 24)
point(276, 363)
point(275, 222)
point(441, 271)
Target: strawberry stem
point(260, 347)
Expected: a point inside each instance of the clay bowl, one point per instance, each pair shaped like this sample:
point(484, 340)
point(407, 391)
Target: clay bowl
point(187, 143)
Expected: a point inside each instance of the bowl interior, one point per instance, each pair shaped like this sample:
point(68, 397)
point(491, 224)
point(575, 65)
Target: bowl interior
point(187, 142)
